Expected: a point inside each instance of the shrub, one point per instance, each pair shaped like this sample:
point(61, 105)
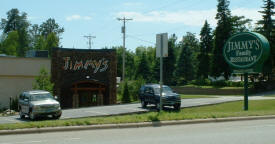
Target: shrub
point(201, 82)
point(14, 104)
point(43, 81)
point(219, 83)
point(125, 93)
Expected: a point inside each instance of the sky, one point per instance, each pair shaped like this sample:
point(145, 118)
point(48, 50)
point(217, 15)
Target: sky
point(98, 18)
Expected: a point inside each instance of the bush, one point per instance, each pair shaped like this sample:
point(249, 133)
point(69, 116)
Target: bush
point(43, 81)
point(133, 89)
point(219, 83)
point(125, 93)
point(201, 82)
point(14, 104)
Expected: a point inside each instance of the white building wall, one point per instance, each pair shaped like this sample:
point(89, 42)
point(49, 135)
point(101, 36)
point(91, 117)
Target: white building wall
point(18, 75)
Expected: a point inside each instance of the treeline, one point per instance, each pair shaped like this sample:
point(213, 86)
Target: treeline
point(19, 35)
point(195, 59)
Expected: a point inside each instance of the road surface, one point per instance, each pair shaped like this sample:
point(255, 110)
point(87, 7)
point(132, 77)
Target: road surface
point(237, 132)
point(131, 108)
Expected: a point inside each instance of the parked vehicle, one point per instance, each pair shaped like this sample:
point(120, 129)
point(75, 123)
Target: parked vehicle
point(38, 103)
point(150, 94)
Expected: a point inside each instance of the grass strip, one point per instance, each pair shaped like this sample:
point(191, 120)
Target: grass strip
point(231, 109)
point(185, 96)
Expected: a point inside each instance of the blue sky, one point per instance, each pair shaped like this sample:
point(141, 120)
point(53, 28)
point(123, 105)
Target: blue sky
point(98, 18)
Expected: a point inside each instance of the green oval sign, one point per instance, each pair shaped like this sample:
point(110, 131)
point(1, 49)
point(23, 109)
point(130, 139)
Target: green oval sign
point(245, 50)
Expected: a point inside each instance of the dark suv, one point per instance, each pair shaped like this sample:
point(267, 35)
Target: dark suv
point(150, 94)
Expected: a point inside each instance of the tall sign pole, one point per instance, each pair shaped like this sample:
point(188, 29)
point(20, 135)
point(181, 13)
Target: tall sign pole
point(162, 51)
point(246, 53)
point(123, 30)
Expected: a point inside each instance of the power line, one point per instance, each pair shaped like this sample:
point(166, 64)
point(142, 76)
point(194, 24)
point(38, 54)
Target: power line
point(89, 37)
point(131, 36)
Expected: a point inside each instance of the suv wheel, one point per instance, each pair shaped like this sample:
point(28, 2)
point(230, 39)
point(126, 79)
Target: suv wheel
point(56, 116)
point(22, 116)
point(31, 116)
point(143, 104)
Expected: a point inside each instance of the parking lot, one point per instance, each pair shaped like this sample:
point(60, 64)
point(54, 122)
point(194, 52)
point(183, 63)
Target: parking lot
point(130, 108)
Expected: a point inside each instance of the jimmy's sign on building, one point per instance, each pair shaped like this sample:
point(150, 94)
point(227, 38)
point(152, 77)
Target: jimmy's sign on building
point(83, 77)
point(246, 52)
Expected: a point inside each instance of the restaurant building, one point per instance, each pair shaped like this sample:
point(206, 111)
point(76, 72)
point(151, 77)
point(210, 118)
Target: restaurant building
point(84, 77)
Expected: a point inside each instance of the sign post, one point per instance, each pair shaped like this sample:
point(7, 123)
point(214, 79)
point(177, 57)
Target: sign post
point(246, 53)
point(161, 51)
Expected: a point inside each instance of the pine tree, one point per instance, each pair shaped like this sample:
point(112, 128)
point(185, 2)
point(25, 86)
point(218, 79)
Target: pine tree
point(267, 28)
point(169, 62)
point(222, 33)
point(143, 67)
point(125, 94)
point(206, 45)
point(184, 69)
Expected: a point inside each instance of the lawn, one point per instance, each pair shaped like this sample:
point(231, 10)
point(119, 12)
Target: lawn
point(221, 87)
point(185, 96)
point(231, 109)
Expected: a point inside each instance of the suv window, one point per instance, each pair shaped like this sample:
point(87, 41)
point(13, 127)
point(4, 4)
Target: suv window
point(141, 90)
point(149, 90)
point(36, 97)
point(26, 96)
point(21, 96)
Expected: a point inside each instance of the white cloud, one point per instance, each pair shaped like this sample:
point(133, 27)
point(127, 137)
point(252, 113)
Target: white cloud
point(190, 18)
point(78, 17)
point(248, 13)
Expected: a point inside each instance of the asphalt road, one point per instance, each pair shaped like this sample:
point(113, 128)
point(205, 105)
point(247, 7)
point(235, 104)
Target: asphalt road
point(130, 108)
point(236, 132)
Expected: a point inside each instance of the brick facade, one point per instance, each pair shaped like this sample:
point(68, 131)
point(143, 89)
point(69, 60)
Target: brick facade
point(84, 77)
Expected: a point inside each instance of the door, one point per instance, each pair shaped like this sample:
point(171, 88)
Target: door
point(84, 98)
point(149, 95)
point(88, 98)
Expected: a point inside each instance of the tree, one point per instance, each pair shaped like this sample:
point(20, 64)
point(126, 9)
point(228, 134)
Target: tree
point(40, 43)
point(267, 28)
point(184, 68)
point(34, 35)
point(169, 62)
point(143, 68)
point(43, 81)
point(240, 24)
point(206, 44)
point(19, 23)
point(14, 21)
point(50, 26)
point(125, 94)
point(10, 44)
point(222, 33)
point(52, 41)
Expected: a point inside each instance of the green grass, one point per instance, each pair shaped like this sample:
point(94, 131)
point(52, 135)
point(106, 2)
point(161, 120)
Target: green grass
point(232, 109)
point(197, 86)
point(185, 96)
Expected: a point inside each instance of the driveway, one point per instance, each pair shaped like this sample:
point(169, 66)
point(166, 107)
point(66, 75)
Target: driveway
point(132, 108)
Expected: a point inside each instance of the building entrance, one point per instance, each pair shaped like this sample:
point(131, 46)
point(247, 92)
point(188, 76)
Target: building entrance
point(87, 93)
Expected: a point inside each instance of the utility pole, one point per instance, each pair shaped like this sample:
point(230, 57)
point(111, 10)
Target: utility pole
point(89, 37)
point(123, 30)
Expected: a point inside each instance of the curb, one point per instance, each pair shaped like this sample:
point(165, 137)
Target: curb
point(130, 125)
